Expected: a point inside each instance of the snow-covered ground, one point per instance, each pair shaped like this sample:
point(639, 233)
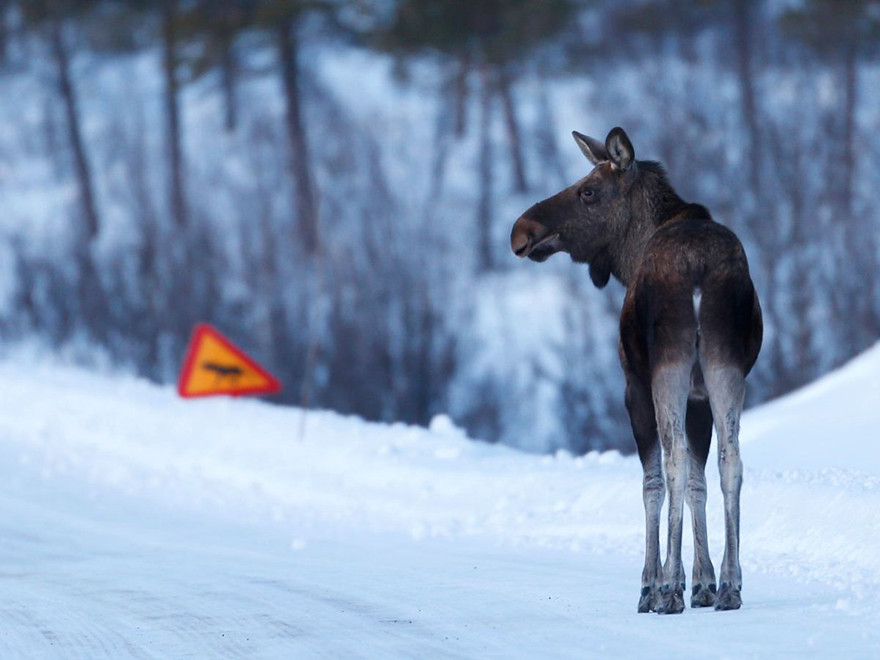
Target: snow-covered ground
point(135, 524)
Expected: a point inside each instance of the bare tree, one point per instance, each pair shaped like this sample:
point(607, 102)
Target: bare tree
point(52, 17)
point(844, 33)
point(300, 157)
point(176, 190)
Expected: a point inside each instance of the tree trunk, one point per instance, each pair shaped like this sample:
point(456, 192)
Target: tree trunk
point(514, 136)
point(548, 150)
point(461, 93)
point(300, 160)
point(746, 74)
point(89, 289)
point(764, 233)
point(443, 129)
point(74, 133)
point(860, 245)
point(850, 75)
point(228, 73)
point(791, 167)
point(177, 197)
point(4, 28)
point(484, 206)
point(427, 378)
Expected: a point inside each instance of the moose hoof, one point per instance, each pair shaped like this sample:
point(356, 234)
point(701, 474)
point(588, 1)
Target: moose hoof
point(703, 596)
point(728, 597)
point(648, 600)
point(671, 600)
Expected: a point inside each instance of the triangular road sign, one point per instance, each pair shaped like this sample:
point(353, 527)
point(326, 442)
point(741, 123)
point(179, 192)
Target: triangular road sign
point(214, 365)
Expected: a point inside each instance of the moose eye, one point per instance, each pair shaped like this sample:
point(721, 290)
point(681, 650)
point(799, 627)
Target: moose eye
point(588, 194)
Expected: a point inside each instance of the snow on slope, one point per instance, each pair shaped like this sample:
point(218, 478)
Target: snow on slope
point(139, 525)
point(829, 424)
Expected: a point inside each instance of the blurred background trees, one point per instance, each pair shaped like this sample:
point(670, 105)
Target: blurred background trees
point(332, 183)
point(491, 41)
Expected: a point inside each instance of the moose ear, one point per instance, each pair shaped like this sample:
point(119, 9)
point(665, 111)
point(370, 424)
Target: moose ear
point(591, 147)
point(620, 149)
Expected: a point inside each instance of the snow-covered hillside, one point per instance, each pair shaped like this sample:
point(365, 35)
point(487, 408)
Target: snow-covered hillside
point(136, 524)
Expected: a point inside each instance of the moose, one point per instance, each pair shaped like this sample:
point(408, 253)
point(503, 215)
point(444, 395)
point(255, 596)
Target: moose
point(690, 332)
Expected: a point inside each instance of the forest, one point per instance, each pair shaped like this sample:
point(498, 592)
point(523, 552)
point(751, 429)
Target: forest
point(332, 184)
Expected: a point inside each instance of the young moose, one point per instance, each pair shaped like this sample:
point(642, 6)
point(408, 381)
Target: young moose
point(690, 331)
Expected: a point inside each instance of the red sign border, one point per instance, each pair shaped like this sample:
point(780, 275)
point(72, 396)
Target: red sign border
point(273, 386)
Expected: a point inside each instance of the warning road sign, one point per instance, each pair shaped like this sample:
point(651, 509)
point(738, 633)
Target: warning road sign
point(214, 365)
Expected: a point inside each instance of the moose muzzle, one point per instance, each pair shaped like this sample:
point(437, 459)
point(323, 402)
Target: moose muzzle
point(532, 239)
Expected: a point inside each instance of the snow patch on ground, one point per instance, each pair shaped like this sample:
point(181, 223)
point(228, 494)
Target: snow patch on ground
point(139, 524)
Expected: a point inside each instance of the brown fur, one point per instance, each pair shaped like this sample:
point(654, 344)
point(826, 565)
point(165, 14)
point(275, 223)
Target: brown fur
point(624, 219)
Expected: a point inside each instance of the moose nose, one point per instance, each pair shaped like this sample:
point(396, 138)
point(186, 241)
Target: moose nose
point(524, 235)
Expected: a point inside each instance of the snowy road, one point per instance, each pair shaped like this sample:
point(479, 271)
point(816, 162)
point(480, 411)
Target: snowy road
point(87, 589)
point(138, 526)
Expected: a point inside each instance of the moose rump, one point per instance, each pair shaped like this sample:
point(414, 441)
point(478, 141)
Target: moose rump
point(690, 332)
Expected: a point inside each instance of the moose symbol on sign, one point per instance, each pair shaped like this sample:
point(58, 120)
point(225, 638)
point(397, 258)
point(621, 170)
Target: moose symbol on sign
point(223, 371)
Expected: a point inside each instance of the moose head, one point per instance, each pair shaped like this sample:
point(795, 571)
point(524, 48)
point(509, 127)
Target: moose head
point(589, 219)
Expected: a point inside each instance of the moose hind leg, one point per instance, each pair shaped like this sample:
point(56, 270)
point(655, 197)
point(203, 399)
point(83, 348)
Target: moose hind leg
point(670, 386)
point(644, 426)
point(699, 434)
point(726, 386)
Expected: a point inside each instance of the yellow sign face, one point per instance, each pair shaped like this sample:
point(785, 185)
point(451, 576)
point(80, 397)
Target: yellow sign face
point(214, 365)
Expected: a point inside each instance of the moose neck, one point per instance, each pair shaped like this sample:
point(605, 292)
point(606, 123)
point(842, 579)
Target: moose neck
point(653, 202)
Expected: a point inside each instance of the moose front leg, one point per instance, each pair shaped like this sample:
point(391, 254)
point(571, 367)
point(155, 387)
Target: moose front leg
point(653, 494)
point(644, 426)
point(670, 388)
